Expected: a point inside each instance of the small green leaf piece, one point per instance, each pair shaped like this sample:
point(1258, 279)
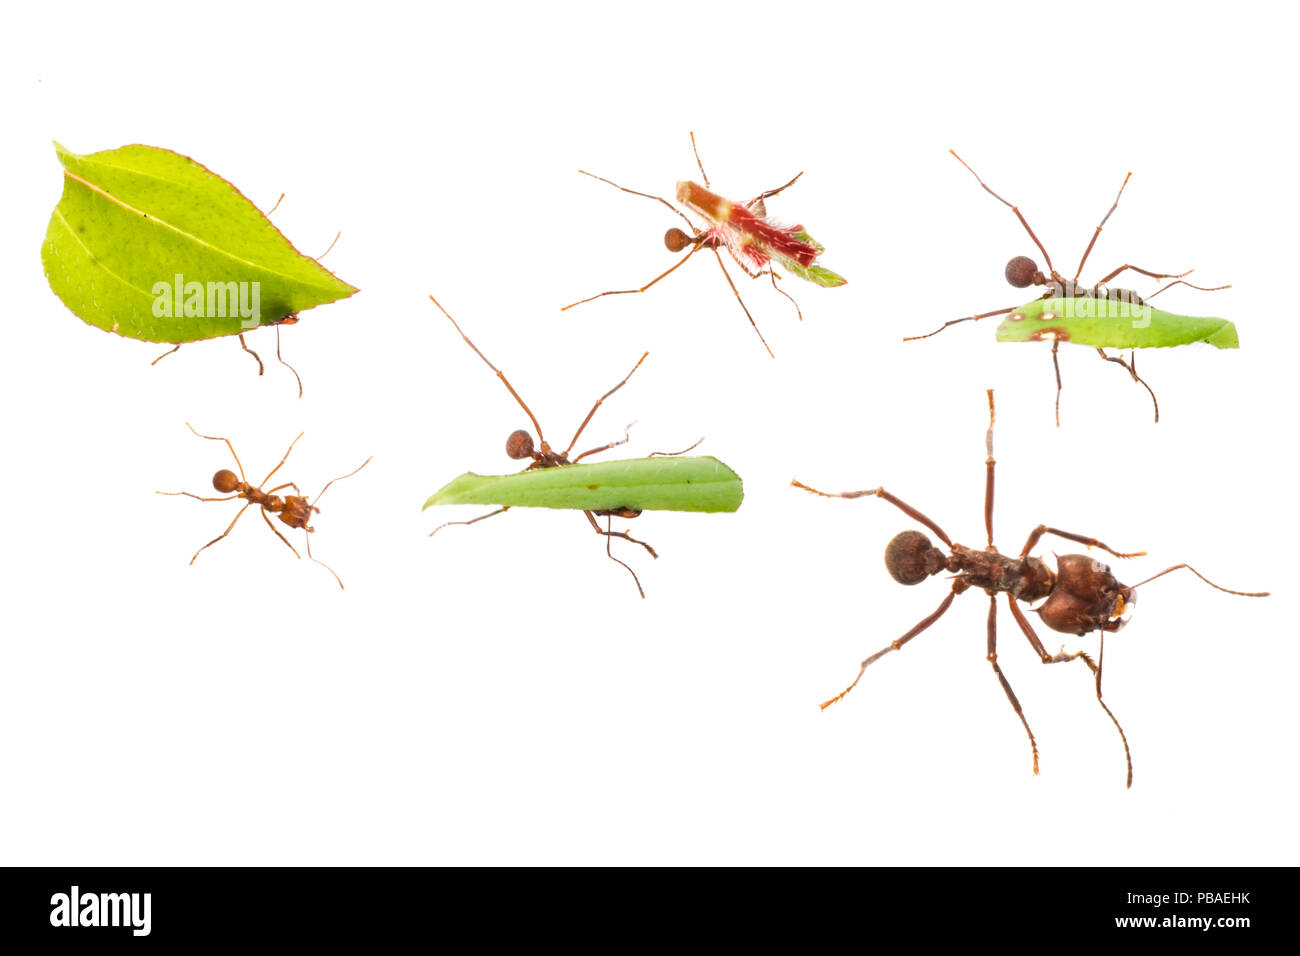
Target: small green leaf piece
point(1107, 323)
point(643, 484)
point(139, 225)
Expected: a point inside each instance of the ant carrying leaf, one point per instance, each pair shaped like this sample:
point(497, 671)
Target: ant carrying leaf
point(1094, 315)
point(756, 243)
point(613, 489)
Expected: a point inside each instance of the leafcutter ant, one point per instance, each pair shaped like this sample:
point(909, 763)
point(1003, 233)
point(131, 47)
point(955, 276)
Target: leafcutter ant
point(1082, 595)
point(293, 510)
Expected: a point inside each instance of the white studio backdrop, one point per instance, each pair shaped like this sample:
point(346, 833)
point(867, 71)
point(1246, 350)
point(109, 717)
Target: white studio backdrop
point(499, 694)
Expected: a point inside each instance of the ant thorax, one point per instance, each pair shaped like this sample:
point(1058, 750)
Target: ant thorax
point(1025, 579)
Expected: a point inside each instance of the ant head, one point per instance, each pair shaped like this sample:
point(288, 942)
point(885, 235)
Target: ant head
point(519, 445)
point(911, 558)
point(1086, 597)
point(225, 481)
point(676, 240)
point(1022, 272)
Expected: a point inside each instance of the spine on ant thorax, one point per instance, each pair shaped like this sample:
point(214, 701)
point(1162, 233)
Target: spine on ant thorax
point(1026, 579)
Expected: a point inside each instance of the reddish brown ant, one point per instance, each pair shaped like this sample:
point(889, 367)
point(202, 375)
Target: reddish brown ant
point(520, 446)
point(294, 510)
point(1081, 596)
point(1022, 272)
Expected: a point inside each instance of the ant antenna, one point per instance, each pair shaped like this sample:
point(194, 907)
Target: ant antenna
point(1217, 587)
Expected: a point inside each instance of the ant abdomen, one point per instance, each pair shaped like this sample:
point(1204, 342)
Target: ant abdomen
point(225, 481)
point(519, 445)
point(911, 558)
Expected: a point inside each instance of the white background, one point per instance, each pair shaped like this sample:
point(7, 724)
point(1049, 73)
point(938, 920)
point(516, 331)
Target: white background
point(499, 694)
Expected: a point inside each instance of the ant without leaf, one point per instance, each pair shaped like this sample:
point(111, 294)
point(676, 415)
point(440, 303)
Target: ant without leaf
point(1022, 272)
point(294, 510)
point(1081, 596)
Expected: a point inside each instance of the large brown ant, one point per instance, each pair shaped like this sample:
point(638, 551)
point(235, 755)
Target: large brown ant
point(1080, 596)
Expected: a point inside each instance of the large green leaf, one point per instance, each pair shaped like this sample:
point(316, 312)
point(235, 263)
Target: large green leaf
point(1110, 323)
point(131, 220)
point(642, 484)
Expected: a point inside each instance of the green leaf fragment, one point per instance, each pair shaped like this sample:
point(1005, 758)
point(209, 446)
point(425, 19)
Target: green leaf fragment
point(643, 484)
point(1106, 323)
point(814, 273)
point(132, 220)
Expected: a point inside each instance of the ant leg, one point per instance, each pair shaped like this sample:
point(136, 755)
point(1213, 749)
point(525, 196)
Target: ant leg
point(196, 497)
point(288, 484)
point(1114, 206)
point(276, 206)
point(681, 262)
point(280, 536)
point(600, 401)
point(164, 355)
point(1217, 587)
point(882, 493)
point(283, 362)
point(1131, 367)
point(769, 194)
point(990, 463)
point(1002, 678)
point(500, 374)
point(896, 645)
point(1014, 209)
point(769, 271)
point(1062, 657)
point(618, 534)
point(690, 224)
point(609, 535)
point(340, 478)
point(244, 345)
point(698, 163)
point(798, 311)
point(448, 524)
point(331, 246)
point(1056, 367)
point(1198, 288)
point(969, 318)
point(742, 302)
point(323, 564)
point(282, 461)
point(222, 535)
point(674, 454)
point(614, 444)
point(1043, 529)
point(1154, 275)
point(228, 445)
